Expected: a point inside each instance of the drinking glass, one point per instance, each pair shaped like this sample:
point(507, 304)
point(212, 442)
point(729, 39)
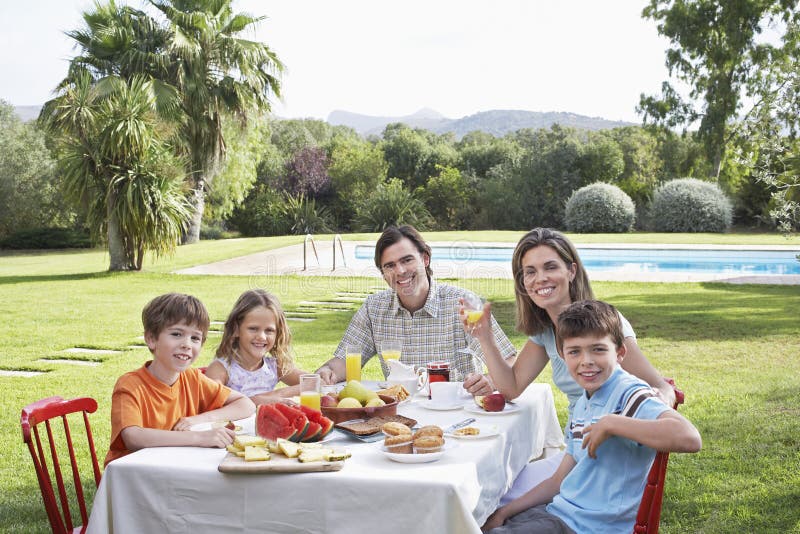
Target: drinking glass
point(310, 391)
point(473, 307)
point(352, 362)
point(391, 349)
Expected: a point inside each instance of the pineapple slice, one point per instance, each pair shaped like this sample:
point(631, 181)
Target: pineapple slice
point(233, 448)
point(255, 454)
point(244, 440)
point(289, 448)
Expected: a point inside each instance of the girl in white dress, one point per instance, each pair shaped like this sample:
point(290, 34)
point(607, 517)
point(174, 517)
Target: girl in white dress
point(254, 354)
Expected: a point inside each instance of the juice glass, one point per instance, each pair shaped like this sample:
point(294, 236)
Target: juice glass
point(352, 362)
point(391, 349)
point(473, 306)
point(310, 391)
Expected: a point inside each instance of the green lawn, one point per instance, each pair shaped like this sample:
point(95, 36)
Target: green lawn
point(733, 349)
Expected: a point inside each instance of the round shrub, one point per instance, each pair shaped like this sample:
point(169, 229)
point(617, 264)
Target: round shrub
point(690, 205)
point(599, 207)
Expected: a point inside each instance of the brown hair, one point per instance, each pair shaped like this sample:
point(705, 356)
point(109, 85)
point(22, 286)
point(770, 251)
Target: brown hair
point(589, 317)
point(531, 319)
point(393, 234)
point(246, 302)
point(173, 308)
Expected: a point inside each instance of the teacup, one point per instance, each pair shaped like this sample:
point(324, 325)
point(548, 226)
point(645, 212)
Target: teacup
point(446, 393)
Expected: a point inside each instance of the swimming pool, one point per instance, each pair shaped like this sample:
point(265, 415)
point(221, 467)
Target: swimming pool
point(638, 260)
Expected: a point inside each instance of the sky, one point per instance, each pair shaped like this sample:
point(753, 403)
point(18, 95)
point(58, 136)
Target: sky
point(458, 57)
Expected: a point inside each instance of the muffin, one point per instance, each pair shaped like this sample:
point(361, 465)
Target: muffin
point(398, 444)
point(428, 444)
point(393, 428)
point(429, 430)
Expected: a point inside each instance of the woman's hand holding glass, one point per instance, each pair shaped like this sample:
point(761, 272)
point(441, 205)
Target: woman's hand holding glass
point(475, 313)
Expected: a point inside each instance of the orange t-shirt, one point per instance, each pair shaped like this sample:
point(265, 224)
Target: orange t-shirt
point(140, 399)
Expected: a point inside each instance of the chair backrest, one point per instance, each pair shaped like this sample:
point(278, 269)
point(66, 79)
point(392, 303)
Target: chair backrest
point(45, 446)
point(649, 514)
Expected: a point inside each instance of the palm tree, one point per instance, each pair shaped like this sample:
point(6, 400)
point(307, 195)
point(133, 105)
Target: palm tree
point(116, 164)
point(215, 72)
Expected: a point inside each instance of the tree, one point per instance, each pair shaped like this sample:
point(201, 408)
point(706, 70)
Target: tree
point(29, 195)
point(215, 71)
point(447, 198)
point(116, 164)
point(356, 168)
point(718, 50)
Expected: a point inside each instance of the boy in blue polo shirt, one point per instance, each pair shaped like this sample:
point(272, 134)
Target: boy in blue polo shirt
point(616, 428)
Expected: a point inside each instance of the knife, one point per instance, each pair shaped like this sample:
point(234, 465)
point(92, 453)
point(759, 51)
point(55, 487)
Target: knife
point(465, 422)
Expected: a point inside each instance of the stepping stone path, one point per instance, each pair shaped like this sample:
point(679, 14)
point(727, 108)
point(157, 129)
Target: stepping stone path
point(305, 312)
point(23, 374)
point(71, 362)
point(81, 350)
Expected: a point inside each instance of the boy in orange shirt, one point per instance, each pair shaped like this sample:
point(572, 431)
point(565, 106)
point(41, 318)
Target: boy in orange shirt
point(158, 403)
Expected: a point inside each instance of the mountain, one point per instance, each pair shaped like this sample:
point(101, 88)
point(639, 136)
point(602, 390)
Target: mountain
point(495, 122)
point(27, 113)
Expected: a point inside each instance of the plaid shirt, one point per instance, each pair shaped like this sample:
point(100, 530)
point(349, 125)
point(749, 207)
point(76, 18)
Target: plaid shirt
point(432, 333)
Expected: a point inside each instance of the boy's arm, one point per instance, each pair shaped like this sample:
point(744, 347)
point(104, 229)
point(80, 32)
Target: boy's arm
point(670, 432)
point(543, 493)
point(236, 406)
point(136, 437)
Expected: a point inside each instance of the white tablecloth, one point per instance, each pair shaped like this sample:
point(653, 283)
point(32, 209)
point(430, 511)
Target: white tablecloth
point(178, 489)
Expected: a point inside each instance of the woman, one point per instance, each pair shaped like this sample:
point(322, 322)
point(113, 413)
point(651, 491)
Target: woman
point(548, 277)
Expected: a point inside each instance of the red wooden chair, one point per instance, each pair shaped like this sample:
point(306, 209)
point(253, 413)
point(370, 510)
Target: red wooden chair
point(649, 513)
point(33, 433)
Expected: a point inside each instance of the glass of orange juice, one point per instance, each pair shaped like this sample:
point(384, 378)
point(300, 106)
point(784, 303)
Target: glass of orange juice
point(473, 307)
point(310, 391)
point(352, 360)
point(391, 349)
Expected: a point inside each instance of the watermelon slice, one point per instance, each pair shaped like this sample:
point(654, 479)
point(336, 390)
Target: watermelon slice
point(271, 424)
point(295, 418)
point(311, 413)
point(327, 426)
point(313, 432)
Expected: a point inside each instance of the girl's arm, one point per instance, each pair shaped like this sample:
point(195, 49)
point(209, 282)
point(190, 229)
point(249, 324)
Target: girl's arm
point(671, 432)
point(276, 395)
point(216, 371)
point(636, 363)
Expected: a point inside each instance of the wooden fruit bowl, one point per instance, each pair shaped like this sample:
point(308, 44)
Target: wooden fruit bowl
point(338, 415)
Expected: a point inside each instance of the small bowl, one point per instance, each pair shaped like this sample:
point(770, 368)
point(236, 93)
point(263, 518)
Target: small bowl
point(338, 415)
point(411, 385)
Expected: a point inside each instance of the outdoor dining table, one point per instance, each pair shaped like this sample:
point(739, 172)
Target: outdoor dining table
point(179, 489)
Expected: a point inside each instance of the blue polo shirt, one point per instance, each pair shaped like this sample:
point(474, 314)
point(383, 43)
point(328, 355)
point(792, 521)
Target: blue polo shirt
point(603, 494)
point(561, 377)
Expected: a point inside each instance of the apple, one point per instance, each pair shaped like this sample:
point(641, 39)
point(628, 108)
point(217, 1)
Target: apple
point(328, 401)
point(492, 403)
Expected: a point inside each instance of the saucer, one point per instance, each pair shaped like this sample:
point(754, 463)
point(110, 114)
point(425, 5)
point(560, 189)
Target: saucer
point(430, 405)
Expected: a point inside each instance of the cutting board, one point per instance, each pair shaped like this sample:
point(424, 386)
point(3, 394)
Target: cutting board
point(277, 464)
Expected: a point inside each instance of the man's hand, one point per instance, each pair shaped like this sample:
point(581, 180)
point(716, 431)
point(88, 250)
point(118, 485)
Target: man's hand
point(478, 384)
point(326, 375)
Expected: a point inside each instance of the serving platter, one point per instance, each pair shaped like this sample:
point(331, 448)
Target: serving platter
point(417, 458)
point(277, 463)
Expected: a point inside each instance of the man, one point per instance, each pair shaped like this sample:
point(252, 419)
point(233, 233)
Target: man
point(418, 311)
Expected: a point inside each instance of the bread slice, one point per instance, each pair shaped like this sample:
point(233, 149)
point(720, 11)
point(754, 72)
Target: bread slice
point(374, 424)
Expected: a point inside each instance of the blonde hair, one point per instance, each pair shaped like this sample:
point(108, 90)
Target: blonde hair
point(531, 319)
point(247, 301)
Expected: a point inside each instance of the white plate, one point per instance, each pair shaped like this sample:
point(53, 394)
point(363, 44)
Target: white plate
point(429, 404)
point(474, 408)
point(417, 458)
point(486, 431)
